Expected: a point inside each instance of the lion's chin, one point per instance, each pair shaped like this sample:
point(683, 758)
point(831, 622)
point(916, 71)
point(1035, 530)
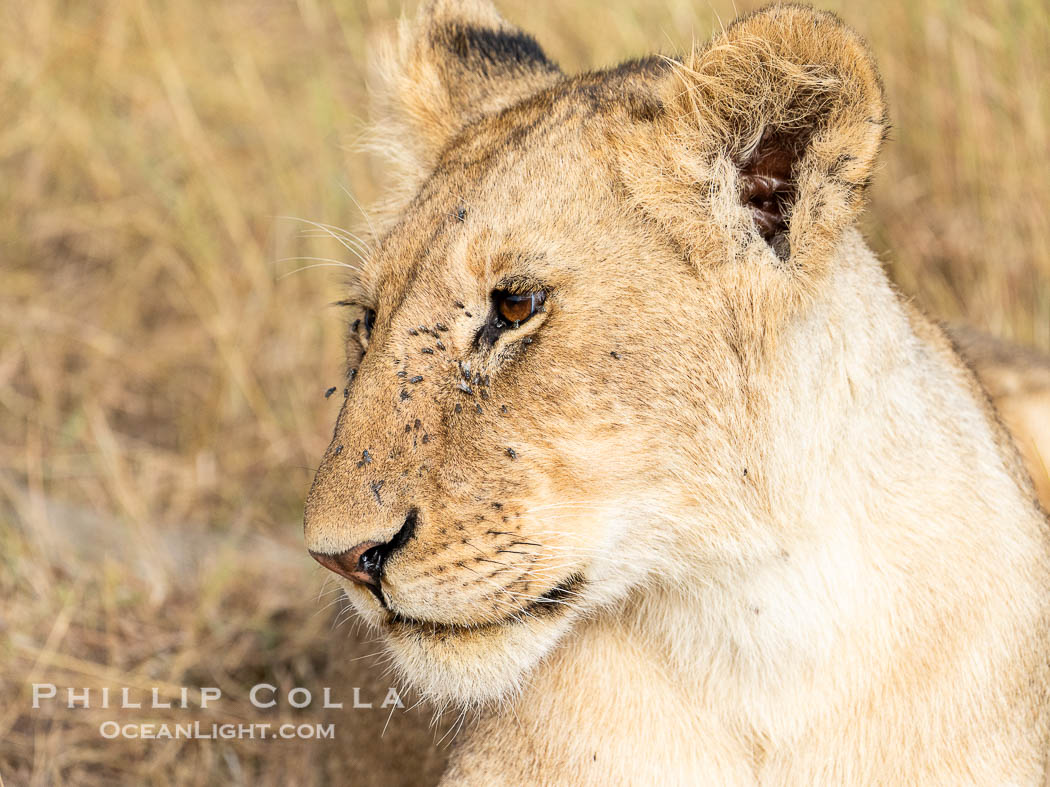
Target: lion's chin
point(472, 665)
point(469, 667)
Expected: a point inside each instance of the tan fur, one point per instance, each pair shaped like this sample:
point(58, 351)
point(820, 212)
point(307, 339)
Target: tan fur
point(719, 514)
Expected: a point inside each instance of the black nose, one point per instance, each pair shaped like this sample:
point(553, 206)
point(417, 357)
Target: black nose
point(371, 562)
point(364, 563)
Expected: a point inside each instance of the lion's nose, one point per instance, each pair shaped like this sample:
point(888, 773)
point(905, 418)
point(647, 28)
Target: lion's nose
point(365, 562)
point(362, 564)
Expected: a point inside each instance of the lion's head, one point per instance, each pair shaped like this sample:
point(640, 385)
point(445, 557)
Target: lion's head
point(556, 338)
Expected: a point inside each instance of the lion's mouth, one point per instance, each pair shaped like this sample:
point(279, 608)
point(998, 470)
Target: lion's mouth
point(556, 601)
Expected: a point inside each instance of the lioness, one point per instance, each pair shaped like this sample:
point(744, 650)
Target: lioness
point(643, 461)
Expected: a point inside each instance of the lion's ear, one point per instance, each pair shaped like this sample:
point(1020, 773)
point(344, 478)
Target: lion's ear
point(776, 124)
point(454, 62)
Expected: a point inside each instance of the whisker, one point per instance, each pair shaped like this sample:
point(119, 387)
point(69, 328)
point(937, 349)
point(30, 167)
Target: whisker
point(316, 259)
point(318, 265)
point(364, 213)
point(328, 228)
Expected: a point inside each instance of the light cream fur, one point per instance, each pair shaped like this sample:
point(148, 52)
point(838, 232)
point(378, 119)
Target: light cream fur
point(717, 515)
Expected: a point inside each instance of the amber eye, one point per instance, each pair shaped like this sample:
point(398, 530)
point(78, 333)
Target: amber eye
point(369, 321)
point(516, 308)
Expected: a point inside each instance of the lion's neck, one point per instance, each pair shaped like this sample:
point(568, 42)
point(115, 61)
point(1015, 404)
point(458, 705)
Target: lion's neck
point(858, 509)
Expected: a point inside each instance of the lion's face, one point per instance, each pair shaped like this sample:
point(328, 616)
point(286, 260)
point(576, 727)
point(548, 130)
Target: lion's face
point(545, 384)
point(525, 453)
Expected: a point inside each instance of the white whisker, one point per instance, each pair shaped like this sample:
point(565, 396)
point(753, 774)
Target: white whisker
point(318, 265)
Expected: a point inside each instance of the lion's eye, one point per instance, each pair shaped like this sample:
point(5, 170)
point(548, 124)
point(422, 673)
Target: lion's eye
point(516, 308)
point(362, 327)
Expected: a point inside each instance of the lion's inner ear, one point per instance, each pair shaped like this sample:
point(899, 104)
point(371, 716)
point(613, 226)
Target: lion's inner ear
point(767, 187)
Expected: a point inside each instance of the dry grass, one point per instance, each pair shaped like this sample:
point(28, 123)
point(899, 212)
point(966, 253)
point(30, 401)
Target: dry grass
point(158, 367)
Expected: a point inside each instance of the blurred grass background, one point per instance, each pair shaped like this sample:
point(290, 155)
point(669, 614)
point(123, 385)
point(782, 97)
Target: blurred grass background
point(162, 372)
